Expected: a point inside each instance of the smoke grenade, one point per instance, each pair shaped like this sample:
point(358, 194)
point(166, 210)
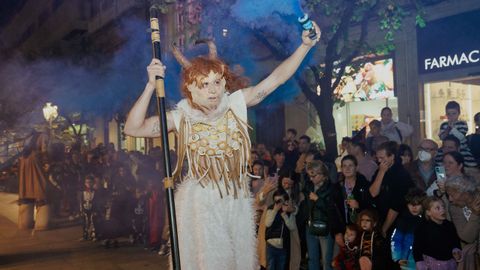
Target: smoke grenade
point(308, 25)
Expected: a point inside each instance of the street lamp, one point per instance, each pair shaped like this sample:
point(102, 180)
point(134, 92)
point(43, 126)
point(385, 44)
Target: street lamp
point(50, 113)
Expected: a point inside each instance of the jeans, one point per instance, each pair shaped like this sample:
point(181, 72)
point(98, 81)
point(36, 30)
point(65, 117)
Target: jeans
point(314, 245)
point(276, 258)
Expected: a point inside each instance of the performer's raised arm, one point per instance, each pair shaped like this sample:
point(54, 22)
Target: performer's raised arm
point(137, 124)
point(255, 94)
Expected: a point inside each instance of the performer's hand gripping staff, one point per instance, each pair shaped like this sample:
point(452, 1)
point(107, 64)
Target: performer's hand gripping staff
point(156, 72)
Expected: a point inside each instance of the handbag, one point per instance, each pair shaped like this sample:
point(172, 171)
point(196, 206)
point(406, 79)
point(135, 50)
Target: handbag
point(277, 242)
point(317, 227)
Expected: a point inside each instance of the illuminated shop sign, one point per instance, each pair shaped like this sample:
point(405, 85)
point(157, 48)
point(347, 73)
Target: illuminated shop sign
point(449, 43)
point(445, 61)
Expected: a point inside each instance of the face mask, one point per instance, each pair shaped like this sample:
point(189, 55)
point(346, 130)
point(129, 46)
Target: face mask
point(424, 156)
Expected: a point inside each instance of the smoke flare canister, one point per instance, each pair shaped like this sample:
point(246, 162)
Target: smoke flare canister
point(308, 25)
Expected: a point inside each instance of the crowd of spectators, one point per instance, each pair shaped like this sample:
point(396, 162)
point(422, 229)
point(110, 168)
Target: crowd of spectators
point(113, 194)
point(382, 204)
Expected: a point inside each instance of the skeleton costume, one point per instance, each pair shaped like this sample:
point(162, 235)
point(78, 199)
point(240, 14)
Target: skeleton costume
point(139, 221)
point(214, 207)
point(88, 213)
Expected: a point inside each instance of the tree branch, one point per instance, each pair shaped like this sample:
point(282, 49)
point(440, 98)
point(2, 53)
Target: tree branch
point(359, 42)
point(331, 50)
point(306, 89)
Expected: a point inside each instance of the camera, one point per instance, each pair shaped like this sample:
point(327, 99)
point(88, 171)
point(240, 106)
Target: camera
point(279, 201)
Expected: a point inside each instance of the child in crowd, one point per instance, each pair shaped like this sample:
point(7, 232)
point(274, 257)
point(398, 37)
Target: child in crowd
point(139, 217)
point(279, 224)
point(407, 222)
point(347, 258)
point(374, 250)
point(87, 208)
point(436, 244)
point(457, 128)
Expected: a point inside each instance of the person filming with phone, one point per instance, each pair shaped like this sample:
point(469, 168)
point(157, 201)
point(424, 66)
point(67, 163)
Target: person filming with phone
point(453, 166)
point(278, 222)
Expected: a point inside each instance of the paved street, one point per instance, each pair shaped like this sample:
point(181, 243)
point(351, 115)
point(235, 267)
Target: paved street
point(61, 249)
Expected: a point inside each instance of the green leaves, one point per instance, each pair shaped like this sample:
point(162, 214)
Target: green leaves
point(384, 48)
point(420, 21)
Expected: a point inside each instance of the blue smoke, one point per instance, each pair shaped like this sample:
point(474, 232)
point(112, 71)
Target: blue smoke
point(103, 87)
point(276, 21)
point(254, 11)
point(79, 85)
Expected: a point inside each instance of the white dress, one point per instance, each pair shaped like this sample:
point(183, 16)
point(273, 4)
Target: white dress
point(214, 207)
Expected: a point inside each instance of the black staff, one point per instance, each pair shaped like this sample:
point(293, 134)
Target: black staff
point(162, 114)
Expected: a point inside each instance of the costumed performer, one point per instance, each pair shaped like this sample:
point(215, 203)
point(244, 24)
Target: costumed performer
point(214, 207)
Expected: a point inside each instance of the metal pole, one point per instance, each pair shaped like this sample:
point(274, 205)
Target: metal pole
point(168, 181)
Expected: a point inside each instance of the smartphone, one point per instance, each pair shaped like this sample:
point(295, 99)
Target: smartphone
point(440, 172)
point(273, 177)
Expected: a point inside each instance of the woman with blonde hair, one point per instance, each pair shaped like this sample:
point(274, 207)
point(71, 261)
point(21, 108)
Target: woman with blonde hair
point(321, 216)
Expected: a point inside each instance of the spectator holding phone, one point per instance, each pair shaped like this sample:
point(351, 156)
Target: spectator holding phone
point(288, 181)
point(453, 165)
point(279, 222)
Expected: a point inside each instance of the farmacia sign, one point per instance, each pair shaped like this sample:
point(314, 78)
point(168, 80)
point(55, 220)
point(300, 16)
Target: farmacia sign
point(449, 43)
point(450, 60)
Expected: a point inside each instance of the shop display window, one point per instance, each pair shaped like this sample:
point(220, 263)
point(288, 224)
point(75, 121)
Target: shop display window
point(362, 94)
point(436, 96)
point(370, 81)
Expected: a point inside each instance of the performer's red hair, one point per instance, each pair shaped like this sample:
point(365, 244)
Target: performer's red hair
point(200, 68)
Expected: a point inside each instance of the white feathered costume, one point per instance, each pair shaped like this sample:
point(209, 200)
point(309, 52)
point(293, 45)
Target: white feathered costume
point(213, 204)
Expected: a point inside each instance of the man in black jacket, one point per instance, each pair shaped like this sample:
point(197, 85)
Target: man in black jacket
point(391, 184)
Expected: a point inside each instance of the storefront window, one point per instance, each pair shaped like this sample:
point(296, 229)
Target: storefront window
point(436, 97)
point(140, 144)
point(362, 95)
point(354, 116)
point(359, 99)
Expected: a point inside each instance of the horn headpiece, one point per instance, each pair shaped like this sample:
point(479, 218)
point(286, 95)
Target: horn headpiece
point(184, 62)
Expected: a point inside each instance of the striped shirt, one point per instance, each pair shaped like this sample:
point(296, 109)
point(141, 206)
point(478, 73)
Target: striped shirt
point(459, 130)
